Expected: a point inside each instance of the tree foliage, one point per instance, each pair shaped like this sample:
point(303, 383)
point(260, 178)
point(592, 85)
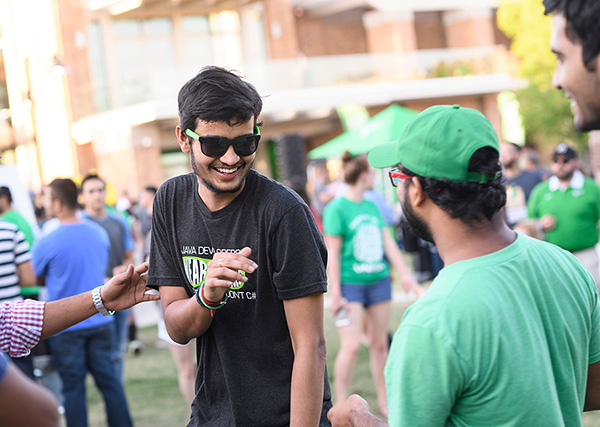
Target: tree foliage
point(546, 113)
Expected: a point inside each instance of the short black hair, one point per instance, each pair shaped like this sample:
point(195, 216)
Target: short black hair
point(583, 25)
point(5, 192)
point(65, 190)
point(89, 177)
point(217, 95)
point(469, 201)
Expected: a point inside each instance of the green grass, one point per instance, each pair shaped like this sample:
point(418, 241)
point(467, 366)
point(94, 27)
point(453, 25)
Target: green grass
point(150, 385)
point(155, 400)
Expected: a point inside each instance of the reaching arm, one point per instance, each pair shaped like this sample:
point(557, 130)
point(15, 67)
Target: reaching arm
point(592, 395)
point(25, 403)
point(26, 274)
point(305, 322)
point(334, 269)
point(121, 292)
point(184, 317)
point(395, 256)
point(354, 412)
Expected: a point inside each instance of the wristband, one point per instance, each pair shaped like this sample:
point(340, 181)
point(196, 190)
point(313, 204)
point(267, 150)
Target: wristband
point(205, 303)
point(99, 304)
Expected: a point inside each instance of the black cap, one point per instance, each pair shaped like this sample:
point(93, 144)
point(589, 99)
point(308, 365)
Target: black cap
point(564, 150)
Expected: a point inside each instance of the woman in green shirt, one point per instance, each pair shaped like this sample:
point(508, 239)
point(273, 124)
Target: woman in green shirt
point(360, 247)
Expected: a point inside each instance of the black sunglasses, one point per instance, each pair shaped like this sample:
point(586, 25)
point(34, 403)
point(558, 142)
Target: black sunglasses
point(216, 146)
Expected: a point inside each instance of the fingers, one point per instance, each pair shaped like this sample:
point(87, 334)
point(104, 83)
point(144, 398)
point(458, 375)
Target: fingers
point(141, 268)
point(233, 262)
point(150, 294)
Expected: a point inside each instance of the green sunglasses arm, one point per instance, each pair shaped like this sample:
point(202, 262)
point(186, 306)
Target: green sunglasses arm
point(194, 135)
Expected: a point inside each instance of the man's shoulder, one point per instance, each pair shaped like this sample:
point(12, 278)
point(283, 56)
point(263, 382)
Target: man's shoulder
point(274, 194)
point(177, 181)
point(7, 226)
point(117, 218)
point(590, 182)
point(540, 187)
point(92, 228)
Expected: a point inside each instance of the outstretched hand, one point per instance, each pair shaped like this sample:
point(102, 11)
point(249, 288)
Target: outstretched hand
point(127, 289)
point(409, 283)
point(354, 411)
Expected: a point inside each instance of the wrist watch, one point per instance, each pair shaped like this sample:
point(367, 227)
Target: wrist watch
point(99, 304)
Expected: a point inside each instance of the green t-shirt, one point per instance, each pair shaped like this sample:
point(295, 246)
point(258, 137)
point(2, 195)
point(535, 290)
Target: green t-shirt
point(504, 339)
point(21, 223)
point(360, 225)
point(577, 211)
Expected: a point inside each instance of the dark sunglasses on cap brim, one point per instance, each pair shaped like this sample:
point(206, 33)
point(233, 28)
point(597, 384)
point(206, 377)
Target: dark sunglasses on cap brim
point(217, 146)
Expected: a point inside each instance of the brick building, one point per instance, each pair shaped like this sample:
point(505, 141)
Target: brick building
point(95, 85)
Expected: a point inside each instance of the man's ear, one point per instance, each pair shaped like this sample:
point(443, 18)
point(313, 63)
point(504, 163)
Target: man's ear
point(182, 139)
point(418, 195)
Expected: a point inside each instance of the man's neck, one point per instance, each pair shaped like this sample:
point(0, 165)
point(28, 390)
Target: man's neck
point(355, 193)
point(68, 217)
point(457, 241)
point(216, 201)
point(566, 182)
point(96, 213)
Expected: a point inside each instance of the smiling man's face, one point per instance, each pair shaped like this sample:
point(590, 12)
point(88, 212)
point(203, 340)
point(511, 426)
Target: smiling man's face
point(579, 84)
point(225, 174)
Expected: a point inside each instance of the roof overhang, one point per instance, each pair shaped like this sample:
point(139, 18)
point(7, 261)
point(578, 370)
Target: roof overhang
point(313, 103)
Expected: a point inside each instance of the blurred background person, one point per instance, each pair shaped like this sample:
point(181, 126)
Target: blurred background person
point(8, 213)
point(360, 247)
point(93, 196)
point(72, 259)
point(519, 183)
point(567, 207)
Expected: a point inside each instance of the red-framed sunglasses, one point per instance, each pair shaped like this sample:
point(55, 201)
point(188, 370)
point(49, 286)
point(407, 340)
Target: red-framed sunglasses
point(396, 176)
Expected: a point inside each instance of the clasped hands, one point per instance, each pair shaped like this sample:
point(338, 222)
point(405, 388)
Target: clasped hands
point(223, 270)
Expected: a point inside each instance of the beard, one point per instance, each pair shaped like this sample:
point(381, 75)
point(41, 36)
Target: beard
point(415, 223)
point(209, 185)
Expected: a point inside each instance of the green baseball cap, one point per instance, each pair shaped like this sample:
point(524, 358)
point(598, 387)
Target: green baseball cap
point(439, 143)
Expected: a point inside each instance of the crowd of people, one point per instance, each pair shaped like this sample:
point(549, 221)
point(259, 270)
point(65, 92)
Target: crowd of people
point(508, 332)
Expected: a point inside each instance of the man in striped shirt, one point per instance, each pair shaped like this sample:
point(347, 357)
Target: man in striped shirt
point(16, 271)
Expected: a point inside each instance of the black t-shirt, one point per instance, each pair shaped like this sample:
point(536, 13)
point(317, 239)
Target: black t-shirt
point(245, 358)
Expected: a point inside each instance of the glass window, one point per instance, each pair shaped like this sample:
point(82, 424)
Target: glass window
point(198, 50)
point(97, 66)
point(126, 28)
point(195, 24)
point(158, 26)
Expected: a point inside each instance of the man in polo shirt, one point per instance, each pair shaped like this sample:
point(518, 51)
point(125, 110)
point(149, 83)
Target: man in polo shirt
point(568, 208)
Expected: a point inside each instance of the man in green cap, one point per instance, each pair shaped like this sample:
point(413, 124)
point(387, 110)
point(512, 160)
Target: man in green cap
point(509, 331)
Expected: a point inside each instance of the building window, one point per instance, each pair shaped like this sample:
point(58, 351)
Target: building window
point(198, 43)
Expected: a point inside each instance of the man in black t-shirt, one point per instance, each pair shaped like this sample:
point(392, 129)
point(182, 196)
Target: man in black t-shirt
point(240, 264)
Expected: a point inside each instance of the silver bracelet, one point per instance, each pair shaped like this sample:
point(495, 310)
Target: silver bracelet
point(99, 304)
